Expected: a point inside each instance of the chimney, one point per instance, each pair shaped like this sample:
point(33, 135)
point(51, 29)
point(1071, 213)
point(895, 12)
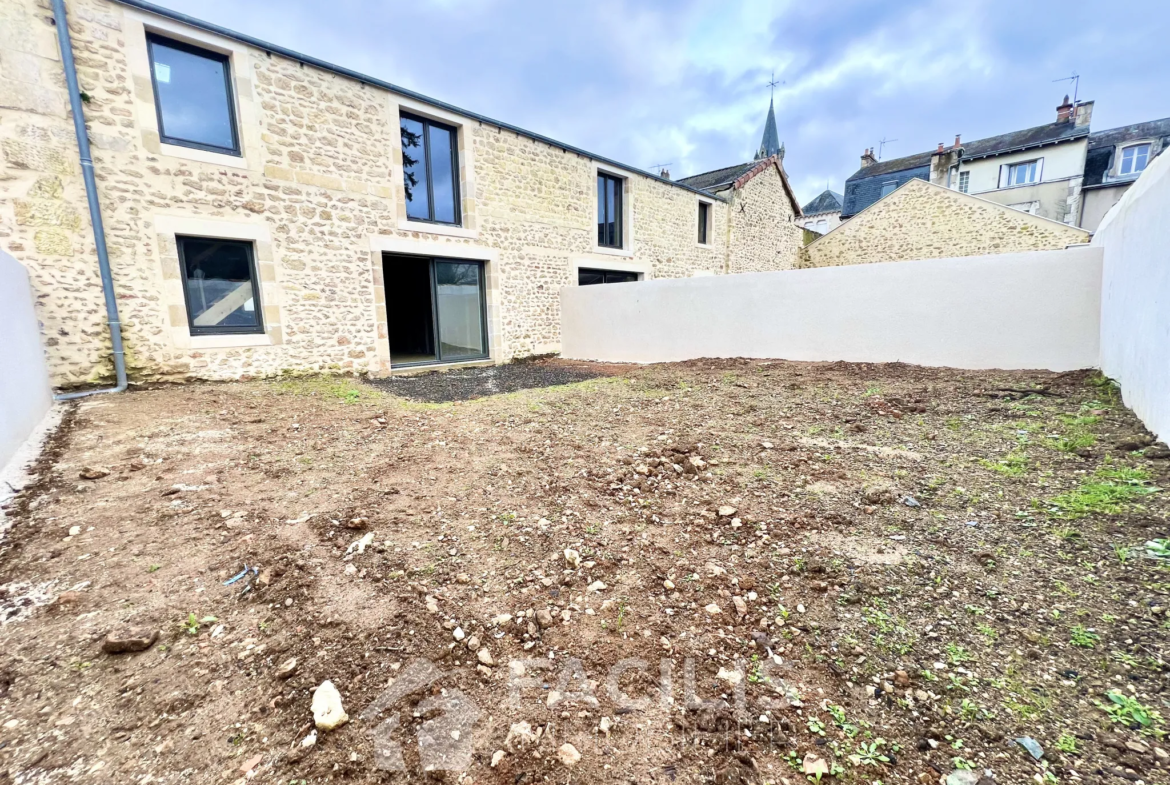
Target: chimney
point(1083, 113)
point(867, 158)
point(1064, 111)
point(664, 174)
point(957, 143)
point(940, 148)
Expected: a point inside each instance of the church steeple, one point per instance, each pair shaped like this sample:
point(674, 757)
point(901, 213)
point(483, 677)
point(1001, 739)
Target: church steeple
point(770, 145)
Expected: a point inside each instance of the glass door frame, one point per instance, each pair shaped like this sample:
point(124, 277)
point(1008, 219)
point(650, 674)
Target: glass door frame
point(440, 358)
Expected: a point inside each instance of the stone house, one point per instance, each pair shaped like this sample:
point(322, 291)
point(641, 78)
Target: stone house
point(823, 214)
point(1036, 170)
point(266, 212)
point(922, 220)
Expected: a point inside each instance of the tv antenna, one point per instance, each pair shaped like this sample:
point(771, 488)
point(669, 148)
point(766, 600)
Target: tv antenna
point(660, 168)
point(882, 143)
point(1075, 79)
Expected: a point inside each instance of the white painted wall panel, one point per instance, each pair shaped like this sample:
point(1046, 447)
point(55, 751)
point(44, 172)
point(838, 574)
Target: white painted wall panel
point(25, 395)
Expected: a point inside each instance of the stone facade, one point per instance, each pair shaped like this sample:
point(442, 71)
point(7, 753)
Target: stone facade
point(924, 221)
point(318, 191)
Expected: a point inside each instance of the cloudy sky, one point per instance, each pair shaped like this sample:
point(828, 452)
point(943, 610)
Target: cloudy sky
point(684, 82)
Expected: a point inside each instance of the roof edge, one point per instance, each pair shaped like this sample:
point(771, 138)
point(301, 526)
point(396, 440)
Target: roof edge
point(291, 54)
point(762, 166)
point(959, 194)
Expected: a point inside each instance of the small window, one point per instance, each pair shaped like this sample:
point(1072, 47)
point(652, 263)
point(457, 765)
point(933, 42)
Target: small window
point(1023, 173)
point(430, 170)
point(888, 187)
point(192, 96)
point(220, 285)
point(1134, 159)
point(704, 218)
point(609, 210)
point(588, 277)
point(964, 182)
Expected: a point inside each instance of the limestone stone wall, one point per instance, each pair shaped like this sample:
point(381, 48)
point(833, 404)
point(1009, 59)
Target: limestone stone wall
point(763, 233)
point(317, 190)
point(924, 221)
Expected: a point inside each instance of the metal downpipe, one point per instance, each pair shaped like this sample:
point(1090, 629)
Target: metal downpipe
point(95, 213)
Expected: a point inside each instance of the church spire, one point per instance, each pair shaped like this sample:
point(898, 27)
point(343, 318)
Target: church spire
point(770, 144)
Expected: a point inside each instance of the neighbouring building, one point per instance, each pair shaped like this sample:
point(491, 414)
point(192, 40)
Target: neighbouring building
point(1114, 160)
point(267, 212)
point(823, 214)
point(923, 220)
point(763, 231)
point(1037, 170)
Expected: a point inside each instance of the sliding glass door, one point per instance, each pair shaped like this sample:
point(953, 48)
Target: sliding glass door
point(436, 310)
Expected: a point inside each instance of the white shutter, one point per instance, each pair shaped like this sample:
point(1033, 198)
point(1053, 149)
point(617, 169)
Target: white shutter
point(1039, 170)
point(1003, 170)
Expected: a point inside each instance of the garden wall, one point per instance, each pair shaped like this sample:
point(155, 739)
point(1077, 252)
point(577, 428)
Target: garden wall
point(1037, 309)
point(25, 396)
point(1135, 295)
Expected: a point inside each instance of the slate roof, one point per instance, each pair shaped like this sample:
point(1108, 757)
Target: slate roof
point(718, 179)
point(770, 143)
point(1019, 140)
point(827, 202)
point(861, 192)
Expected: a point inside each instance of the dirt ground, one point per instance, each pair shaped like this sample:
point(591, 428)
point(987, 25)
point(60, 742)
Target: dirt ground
point(715, 571)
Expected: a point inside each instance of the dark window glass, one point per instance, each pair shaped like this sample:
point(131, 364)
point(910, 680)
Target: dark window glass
point(430, 166)
point(704, 210)
point(220, 283)
point(888, 188)
point(193, 96)
point(588, 277)
point(436, 309)
point(609, 211)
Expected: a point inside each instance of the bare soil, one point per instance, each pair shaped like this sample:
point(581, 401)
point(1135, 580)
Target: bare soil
point(901, 569)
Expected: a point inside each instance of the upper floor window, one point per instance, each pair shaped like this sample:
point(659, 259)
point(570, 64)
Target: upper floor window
point(1023, 173)
point(1134, 159)
point(609, 210)
point(964, 182)
point(193, 96)
point(221, 286)
point(704, 220)
point(430, 170)
point(888, 187)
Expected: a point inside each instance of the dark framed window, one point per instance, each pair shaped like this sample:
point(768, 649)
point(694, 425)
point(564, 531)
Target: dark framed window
point(193, 96)
point(220, 286)
point(437, 309)
point(888, 187)
point(704, 217)
point(588, 276)
point(430, 170)
point(609, 210)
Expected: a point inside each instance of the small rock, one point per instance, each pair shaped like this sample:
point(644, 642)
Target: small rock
point(568, 755)
point(544, 618)
point(668, 584)
point(595, 587)
point(472, 643)
point(727, 511)
point(497, 756)
point(713, 609)
point(572, 558)
point(485, 657)
point(1032, 746)
point(878, 492)
point(901, 679)
point(459, 634)
point(287, 668)
point(309, 740)
point(522, 733)
point(910, 501)
point(605, 724)
point(740, 605)
point(732, 677)
point(1137, 746)
point(463, 578)
point(432, 604)
point(962, 777)
point(327, 710)
point(74, 531)
point(129, 640)
point(814, 766)
point(93, 472)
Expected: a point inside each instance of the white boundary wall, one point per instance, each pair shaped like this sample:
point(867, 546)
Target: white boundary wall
point(25, 395)
point(1023, 310)
point(1135, 295)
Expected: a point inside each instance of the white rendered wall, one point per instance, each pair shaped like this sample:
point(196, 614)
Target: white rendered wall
point(1023, 310)
point(25, 395)
point(1135, 295)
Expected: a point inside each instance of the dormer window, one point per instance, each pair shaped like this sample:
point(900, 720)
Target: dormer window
point(1134, 159)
